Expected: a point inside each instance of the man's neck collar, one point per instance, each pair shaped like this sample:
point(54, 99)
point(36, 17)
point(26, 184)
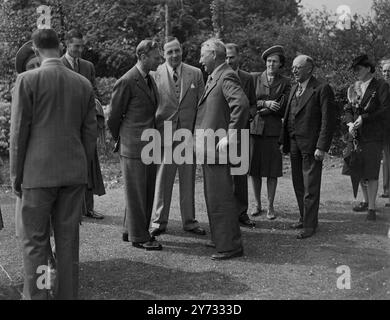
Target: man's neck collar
point(141, 68)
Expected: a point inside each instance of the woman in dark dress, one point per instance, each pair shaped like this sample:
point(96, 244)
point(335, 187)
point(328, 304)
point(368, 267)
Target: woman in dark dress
point(272, 90)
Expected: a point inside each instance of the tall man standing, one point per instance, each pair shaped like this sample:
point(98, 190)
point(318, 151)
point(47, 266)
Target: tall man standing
point(53, 134)
point(247, 84)
point(72, 59)
point(307, 132)
point(223, 106)
point(133, 107)
point(180, 87)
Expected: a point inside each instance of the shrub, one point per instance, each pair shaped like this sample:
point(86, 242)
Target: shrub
point(105, 86)
point(5, 121)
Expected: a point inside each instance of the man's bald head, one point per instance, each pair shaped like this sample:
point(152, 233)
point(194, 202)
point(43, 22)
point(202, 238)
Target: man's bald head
point(302, 68)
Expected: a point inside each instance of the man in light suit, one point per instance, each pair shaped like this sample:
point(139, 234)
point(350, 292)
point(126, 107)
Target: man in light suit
point(133, 107)
point(247, 84)
point(72, 60)
point(180, 87)
point(307, 132)
point(53, 134)
point(223, 106)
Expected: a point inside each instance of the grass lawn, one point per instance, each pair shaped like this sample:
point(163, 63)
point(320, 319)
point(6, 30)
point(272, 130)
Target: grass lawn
point(276, 265)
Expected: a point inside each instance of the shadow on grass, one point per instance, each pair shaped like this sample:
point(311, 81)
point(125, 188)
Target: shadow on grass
point(126, 279)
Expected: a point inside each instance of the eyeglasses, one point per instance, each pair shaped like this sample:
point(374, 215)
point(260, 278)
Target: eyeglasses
point(297, 68)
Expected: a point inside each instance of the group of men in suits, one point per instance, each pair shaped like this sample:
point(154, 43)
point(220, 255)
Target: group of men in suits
point(53, 145)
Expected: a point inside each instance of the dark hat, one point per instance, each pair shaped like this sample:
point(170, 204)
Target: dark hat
point(362, 60)
point(279, 50)
point(22, 56)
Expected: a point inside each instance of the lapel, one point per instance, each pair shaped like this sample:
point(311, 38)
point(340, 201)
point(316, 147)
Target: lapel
point(164, 81)
point(306, 94)
point(186, 81)
point(213, 83)
point(369, 91)
point(144, 87)
point(66, 62)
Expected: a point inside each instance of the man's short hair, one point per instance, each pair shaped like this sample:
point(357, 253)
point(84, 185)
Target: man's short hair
point(170, 39)
point(73, 34)
point(233, 46)
point(217, 46)
point(146, 46)
point(45, 39)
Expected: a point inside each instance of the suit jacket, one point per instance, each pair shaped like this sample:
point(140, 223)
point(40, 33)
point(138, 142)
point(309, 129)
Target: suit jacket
point(248, 85)
point(182, 111)
point(53, 127)
point(132, 110)
point(315, 118)
point(376, 102)
point(223, 105)
point(279, 88)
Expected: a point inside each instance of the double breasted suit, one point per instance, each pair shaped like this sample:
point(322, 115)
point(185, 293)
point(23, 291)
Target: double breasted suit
point(53, 134)
point(224, 105)
point(177, 105)
point(133, 108)
point(309, 124)
point(95, 179)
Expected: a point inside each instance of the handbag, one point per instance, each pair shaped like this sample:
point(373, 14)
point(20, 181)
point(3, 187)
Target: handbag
point(257, 125)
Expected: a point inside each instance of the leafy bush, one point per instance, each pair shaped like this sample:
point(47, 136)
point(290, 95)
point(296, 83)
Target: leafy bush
point(105, 86)
point(5, 121)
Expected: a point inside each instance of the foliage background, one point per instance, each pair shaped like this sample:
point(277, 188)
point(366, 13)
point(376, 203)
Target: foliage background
point(114, 28)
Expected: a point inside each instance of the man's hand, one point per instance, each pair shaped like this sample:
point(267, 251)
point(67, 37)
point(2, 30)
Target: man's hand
point(272, 105)
point(358, 123)
point(222, 144)
point(319, 155)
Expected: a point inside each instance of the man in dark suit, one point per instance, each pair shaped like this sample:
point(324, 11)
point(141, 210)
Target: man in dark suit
point(180, 87)
point(308, 127)
point(72, 59)
point(133, 107)
point(53, 134)
point(247, 84)
point(223, 107)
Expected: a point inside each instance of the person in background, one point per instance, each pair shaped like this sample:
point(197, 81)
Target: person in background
point(272, 91)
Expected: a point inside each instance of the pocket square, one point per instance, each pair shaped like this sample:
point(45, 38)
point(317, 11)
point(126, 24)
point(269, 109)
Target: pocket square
point(192, 86)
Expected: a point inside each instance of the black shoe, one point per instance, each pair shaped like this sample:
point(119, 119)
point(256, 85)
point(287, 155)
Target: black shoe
point(297, 225)
point(361, 207)
point(387, 205)
point(210, 244)
point(94, 215)
point(198, 230)
point(371, 215)
point(228, 255)
point(248, 223)
point(155, 232)
point(385, 195)
point(149, 245)
point(306, 233)
point(125, 237)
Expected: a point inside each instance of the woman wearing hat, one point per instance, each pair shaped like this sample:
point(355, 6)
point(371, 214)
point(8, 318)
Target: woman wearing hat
point(272, 90)
point(366, 122)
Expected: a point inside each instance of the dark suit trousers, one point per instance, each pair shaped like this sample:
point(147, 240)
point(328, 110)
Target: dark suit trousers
point(241, 192)
point(222, 208)
point(64, 206)
point(139, 184)
point(306, 176)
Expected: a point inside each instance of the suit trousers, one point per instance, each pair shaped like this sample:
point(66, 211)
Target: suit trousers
point(222, 208)
point(240, 187)
point(386, 167)
point(89, 199)
point(139, 184)
point(306, 176)
point(64, 206)
point(163, 195)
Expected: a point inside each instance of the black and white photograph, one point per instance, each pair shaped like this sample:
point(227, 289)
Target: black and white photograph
point(194, 156)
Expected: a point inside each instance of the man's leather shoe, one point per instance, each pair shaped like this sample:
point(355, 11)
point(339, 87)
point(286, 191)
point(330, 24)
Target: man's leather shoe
point(94, 215)
point(387, 205)
point(198, 230)
point(307, 233)
point(385, 195)
point(248, 223)
point(297, 225)
point(271, 215)
point(155, 232)
point(149, 245)
point(210, 244)
point(361, 207)
point(371, 215)
point(228, 255)
point(125, 237)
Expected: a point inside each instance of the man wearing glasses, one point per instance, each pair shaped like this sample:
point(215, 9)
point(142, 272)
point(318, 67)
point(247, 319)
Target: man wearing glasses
point(308, 127)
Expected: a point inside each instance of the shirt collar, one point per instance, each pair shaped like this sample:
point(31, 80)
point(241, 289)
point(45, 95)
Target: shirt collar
point(178, 69)
point(304, 84)
point(212, 75)
point(143, 74)
point(69, 58)
point(49, 60)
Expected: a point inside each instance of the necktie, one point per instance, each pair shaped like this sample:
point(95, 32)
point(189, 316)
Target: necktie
point(76, 65)
point(175, 75)
point(300, 90)
point(208, 83)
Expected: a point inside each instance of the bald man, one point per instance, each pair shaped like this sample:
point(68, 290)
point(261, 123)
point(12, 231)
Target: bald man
point(308, 127)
